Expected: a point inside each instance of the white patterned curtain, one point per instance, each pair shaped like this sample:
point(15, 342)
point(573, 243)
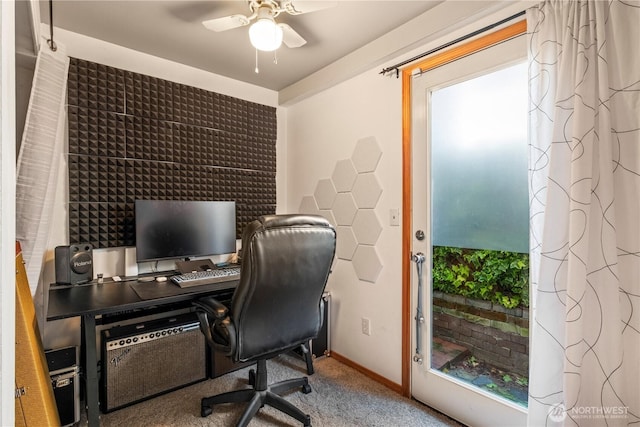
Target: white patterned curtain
point(39, 156)
point(585, 213)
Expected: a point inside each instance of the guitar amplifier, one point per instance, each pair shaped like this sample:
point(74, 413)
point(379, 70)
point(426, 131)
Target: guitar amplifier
point(144, 360)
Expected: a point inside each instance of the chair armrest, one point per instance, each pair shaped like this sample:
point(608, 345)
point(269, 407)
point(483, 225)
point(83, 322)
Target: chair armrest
point(221, 334)
point(212, 307)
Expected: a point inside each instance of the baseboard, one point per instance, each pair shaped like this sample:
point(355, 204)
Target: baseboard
point(376, 377)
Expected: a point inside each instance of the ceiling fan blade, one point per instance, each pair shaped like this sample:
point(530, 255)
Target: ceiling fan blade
point(226, 23)
point(305, 6)
point(290, 37)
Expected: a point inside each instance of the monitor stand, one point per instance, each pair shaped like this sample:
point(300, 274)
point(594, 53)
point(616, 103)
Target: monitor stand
point(195, 265)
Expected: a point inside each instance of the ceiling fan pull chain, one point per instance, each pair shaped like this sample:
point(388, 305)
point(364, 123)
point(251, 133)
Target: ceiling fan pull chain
point(275, 56)
point(257, 70)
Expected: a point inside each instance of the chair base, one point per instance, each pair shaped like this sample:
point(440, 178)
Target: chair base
point(261, 395)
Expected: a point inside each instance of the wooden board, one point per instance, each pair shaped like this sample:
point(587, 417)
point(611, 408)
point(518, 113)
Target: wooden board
point(35, 401)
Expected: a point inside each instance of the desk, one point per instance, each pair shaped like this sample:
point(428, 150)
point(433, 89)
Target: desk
point(98, 299)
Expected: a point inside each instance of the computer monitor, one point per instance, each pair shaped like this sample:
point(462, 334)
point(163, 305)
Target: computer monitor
point(172, 229)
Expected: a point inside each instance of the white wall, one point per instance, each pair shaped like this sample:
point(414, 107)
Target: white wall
point(324, 129)
point(111, 261)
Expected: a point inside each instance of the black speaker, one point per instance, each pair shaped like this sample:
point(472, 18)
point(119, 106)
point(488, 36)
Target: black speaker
point(74, 264)
point(144, 360)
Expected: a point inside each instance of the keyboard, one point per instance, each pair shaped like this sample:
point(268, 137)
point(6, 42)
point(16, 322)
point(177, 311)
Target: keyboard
point(207, 277)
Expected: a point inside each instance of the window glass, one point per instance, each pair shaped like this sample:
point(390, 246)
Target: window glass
point(479, 162)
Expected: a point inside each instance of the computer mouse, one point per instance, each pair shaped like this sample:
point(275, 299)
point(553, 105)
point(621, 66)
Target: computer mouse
point(161, 279)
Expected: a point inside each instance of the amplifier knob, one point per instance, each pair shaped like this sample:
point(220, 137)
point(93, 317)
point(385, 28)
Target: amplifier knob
point(121, 342)
point(135, 339)
point(164, 333)
point(180, 328)
point(128, 340)
point(175, 330)
point(169, 331)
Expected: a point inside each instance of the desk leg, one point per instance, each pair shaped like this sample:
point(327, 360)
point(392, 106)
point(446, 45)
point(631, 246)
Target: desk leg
point(91, 369)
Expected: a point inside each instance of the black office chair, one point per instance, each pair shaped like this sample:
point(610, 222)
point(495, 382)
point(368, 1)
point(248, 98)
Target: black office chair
point(277, 306)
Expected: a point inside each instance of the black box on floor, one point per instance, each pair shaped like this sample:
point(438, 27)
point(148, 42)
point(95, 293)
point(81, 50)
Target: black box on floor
point(64, 373)
point(221, 364)
point(321, 346)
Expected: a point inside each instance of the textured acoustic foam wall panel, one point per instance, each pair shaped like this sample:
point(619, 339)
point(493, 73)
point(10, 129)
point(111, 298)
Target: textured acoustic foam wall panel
point(132, 136)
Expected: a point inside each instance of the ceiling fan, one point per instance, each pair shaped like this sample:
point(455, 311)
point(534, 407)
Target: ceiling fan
point(265, 34)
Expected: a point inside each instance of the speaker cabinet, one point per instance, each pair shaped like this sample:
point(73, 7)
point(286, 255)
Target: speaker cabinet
point(145, 360)
point(74, 264)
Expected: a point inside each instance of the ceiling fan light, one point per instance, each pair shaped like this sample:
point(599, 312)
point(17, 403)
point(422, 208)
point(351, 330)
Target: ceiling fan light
point(265, 34)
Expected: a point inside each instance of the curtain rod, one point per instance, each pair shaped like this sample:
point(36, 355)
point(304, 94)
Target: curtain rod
point(397, 66)
point(50, 42)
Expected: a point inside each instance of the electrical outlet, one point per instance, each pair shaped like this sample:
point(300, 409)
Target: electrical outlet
point(366, 326)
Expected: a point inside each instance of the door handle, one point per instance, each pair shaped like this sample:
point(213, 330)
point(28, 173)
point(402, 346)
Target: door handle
point(419, 259)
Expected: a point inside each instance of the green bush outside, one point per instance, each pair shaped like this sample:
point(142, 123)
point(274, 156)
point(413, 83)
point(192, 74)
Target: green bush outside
point(497, 276)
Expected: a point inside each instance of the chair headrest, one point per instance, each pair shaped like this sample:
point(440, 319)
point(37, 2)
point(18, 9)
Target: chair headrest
point(273, 221)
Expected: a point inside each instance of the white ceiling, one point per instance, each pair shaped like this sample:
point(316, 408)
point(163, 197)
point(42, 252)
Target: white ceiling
point(173, 30)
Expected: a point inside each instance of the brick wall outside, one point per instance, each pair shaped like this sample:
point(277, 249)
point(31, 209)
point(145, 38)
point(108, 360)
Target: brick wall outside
point(492, 333)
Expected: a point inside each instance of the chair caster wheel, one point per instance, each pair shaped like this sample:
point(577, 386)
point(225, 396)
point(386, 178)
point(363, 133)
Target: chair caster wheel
point(205, 411)
point(252, 377)
point(306, 389)
point(307, 423)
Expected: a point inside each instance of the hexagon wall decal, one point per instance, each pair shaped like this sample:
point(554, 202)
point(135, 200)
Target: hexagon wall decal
point(366, 263)
point(366, 191)
point(344, 175)
point(328, 214)
point(308, 205)
point(366, 155)
point(366, 227)
point(325, 194)
point(344, 208)
point(348, 201)
point(345, 243)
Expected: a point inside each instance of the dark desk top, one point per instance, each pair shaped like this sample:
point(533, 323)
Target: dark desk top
point(113, 297)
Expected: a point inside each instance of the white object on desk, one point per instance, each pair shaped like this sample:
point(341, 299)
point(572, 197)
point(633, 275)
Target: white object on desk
point(161, 279)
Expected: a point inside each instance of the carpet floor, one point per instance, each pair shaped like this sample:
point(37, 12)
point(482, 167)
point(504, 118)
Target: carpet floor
point(341, 397)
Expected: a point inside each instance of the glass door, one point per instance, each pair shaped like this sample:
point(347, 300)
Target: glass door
point(470, 243)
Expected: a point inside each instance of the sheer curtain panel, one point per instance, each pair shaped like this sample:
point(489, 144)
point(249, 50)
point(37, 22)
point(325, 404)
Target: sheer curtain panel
point(39, 156)
point(585, 213)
